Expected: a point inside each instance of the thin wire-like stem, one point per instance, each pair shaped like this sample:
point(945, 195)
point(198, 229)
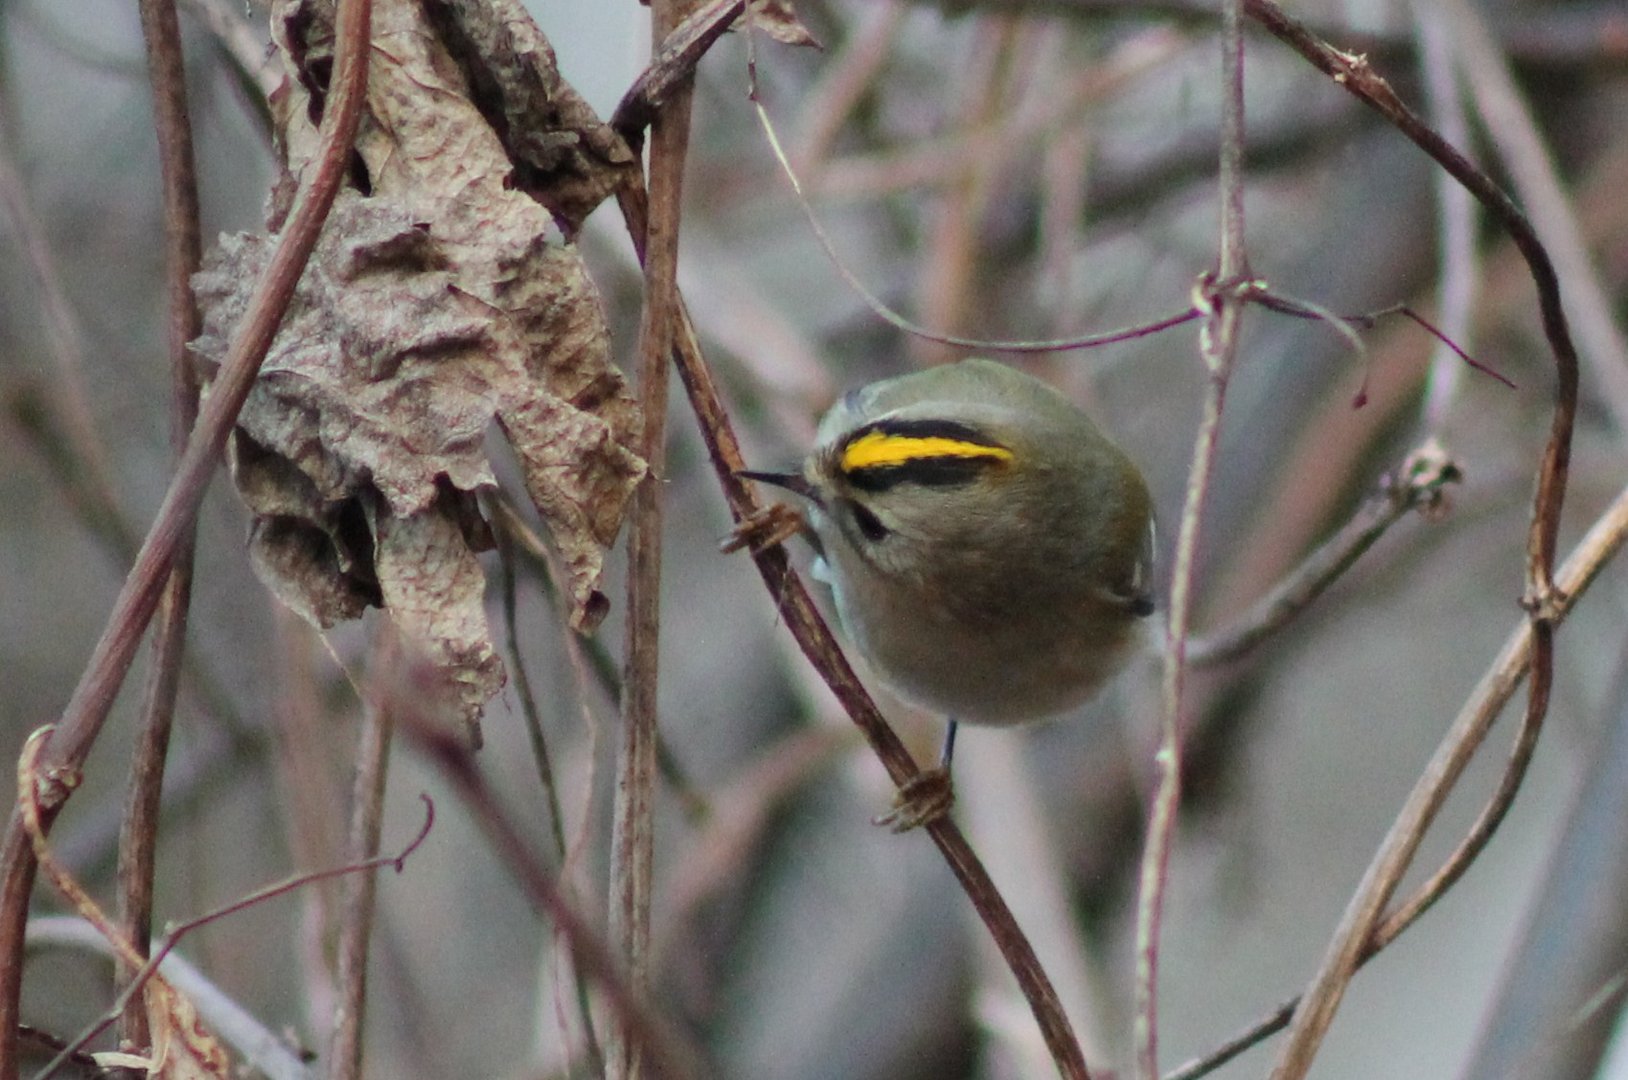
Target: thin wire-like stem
point(358, 891)
point(1222, 300)
point(138, 840)
point(64, 753)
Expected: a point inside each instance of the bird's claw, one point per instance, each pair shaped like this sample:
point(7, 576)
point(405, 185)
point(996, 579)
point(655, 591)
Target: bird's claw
point(922, 800)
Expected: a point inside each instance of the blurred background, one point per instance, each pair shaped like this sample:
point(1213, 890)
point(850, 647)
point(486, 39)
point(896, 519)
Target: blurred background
point(1005, 170)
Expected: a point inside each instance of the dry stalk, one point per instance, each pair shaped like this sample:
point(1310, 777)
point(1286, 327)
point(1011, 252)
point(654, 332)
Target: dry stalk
point(138, 839)
point(357, 891)
point(634, 819)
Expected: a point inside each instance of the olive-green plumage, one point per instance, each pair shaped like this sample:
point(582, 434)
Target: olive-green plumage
point(987, 545)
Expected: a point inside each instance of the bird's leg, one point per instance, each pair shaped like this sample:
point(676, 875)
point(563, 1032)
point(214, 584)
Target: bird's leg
point(927, 796)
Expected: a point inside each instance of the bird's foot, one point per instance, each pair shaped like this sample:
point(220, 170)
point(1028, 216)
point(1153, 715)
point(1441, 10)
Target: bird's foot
point(922, 800)
point(774, 524)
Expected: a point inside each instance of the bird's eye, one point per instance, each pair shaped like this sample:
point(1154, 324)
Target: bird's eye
point(870, 526)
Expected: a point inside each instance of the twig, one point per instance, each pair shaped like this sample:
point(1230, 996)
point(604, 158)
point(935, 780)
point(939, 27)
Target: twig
point(599, 662)
point(64, 753)
point(672, 69)
point(633, 823)
point(184, 250)
point(1367, 905)
point(529, 712)
point(1423, 477)
point(1491, 694)
point(679, 56)
point(356, 904)
point(1221, 299)
point(541, 757)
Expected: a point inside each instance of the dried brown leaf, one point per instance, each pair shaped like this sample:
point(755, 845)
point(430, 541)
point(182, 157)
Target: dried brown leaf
point(778, 19)
point(443, 301)
point(564, 156)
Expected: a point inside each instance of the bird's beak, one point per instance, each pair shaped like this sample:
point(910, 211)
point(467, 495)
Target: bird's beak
point(796, 483)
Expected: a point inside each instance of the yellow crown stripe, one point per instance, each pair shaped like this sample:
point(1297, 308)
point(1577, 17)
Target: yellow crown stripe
point(878, 449)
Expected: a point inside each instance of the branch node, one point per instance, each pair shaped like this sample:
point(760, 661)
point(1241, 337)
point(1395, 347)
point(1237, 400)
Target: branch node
point(1423, 483)
point(1545, 603)
point(53, 784)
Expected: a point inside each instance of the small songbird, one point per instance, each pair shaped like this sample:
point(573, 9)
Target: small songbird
point(988, 548)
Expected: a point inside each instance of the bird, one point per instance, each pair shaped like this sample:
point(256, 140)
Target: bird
point(989, 550)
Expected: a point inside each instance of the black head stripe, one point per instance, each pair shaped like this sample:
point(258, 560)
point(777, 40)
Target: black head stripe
point(927, 472)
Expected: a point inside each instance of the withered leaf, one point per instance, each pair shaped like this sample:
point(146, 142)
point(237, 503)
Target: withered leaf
point(778, 19)
point(442, 304)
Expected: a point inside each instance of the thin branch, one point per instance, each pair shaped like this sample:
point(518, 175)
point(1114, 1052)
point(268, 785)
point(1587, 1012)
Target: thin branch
point(1420, 485)
point(356, 905)
point(633, 825)
point(1605, 538)
point(530, 714)
point(541, 756)
point(599, 663)
point(1367, 905)
point(64, 753)
point(184, 250)
point(1222, 299)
